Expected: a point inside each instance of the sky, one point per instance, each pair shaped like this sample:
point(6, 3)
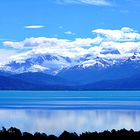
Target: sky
point(63, 19)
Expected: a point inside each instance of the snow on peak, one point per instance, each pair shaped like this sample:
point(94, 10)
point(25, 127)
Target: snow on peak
point(52, 55)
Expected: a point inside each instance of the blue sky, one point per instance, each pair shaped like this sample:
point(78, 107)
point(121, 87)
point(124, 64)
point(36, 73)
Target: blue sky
point(63, 16)
point(20, 20)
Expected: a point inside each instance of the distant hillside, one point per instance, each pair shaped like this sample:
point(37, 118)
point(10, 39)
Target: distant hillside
point(41, 81)
point(131, 83)
point(32, 81)
point(39, 78)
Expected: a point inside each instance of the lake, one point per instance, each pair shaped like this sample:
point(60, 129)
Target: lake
point(53, 112)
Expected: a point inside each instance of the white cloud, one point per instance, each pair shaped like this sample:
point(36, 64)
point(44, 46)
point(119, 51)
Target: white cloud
point(96, 2)
point(12, 44)
point(125, 34)
point(5, 55)
point(109, 44)
point(69, 33)
point(36, 42)
point(63, 47)
point(34, 26)
point(54, 45)
point(90, 2)
point(123, 47)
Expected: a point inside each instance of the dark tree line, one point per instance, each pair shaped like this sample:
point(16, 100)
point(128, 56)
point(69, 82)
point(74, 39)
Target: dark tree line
point(15, 134)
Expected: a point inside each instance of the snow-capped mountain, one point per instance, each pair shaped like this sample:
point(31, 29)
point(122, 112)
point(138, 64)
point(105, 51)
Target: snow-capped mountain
point(47, 63)
point(102, 69)
point(55, 64)
point(53, 71)
point(110, 48)
point(112, 56)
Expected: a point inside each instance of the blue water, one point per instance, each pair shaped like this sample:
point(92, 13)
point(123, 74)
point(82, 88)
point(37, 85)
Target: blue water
point(53, 112)
point(64, 100)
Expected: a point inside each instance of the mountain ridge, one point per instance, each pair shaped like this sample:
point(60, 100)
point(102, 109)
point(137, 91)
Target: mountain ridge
point(70, 74)
point(16, 83)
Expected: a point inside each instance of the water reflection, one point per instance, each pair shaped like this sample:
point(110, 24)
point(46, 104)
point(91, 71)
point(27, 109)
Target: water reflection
point(56, 121)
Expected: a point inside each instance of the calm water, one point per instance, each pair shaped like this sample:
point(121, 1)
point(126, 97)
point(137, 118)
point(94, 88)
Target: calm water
point(53, 112)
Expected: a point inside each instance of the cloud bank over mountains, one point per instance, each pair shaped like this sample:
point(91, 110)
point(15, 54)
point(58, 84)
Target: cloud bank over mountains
point(109, 44)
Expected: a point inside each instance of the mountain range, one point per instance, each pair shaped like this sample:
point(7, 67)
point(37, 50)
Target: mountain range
point(56, 72)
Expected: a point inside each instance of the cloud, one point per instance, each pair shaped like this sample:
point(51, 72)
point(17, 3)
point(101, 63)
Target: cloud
point(69, 33)
point(108, 44)
point(36, 42)
point(41, 42)
point(42, 45)
point(12, 44)
point(53, 43)
point(90, 2)
point(125, 34)
point(5, 55)
point(34, 26)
